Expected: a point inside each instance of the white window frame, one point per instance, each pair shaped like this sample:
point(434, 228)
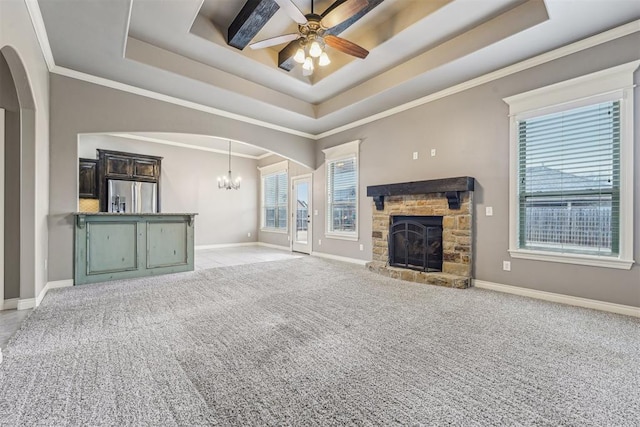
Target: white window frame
point(265, 171)
point(611, 84)
point(344, 151)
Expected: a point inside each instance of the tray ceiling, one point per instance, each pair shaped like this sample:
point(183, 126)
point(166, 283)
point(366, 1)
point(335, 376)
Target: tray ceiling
point(179, 48)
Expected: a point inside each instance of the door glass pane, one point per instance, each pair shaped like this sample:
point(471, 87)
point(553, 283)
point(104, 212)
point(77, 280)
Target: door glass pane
point(302, 211)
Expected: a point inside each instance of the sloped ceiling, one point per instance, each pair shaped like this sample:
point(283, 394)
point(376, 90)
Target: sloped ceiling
point(417, 47)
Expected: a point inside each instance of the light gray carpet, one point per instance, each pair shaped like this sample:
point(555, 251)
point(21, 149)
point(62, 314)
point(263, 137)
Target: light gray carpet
point(315, 342)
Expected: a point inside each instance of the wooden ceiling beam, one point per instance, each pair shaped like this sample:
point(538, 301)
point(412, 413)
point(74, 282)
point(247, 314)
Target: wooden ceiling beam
point(285, 56)
point(252, 17)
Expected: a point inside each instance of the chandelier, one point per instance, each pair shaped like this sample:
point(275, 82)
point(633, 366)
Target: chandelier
point(227, 182)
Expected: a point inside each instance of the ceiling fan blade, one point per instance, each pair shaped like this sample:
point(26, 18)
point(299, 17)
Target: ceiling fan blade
point(346, 46)
point(285, 38)
point(343, 12)
point(292, 10)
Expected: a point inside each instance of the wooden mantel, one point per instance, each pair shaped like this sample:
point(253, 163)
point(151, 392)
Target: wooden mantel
point(452, 187)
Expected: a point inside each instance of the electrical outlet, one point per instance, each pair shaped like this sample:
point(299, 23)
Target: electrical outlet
point(315, 212)
point(433, 152)
point(319, 242)
point(249, 234)
point(506, 265)
point(488, 210)
point(415, 155)
point(361, 247)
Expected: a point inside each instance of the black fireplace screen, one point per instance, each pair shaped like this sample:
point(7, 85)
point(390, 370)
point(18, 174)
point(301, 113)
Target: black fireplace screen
point(415, 242)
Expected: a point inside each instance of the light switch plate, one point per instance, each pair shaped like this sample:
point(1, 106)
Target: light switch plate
point(488, 210)
point(433, 152)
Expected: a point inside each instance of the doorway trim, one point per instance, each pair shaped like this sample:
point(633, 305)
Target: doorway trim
point(2, 209)
point(29, 261)
point(308, 248)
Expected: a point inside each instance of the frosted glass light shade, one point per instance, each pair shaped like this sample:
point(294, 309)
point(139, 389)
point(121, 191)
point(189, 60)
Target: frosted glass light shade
point(315, 50)
point(324, 60)
point(308, 64)
point(299, 56)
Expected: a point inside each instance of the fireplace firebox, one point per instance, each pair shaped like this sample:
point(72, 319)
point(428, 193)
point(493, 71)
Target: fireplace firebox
point(415, 242)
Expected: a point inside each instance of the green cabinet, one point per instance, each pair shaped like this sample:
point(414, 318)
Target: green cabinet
point(121, 246)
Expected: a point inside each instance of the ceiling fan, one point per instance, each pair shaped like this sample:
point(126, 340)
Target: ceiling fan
point(312, 34)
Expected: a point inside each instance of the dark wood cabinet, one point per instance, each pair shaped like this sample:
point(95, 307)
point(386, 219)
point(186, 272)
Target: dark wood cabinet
point(145, 168)
point(88, 179)
point(125, 166)
point(116, 166)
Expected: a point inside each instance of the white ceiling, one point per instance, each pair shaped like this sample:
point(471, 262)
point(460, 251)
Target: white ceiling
point(417, 47)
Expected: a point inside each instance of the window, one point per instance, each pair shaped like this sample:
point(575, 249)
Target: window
point(274, 197)
point(569, 180)
point(571, 171)
point(342, 191)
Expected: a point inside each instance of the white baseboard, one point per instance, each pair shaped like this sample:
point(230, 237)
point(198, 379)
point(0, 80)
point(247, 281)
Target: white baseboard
point(9, 304)
point(26, 303)
point(270, 245)
point(559, 298)
point(224, 245)
point(52, 285)
point(339, 258)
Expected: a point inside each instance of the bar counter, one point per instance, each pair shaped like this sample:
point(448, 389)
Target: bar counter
point(111, 246)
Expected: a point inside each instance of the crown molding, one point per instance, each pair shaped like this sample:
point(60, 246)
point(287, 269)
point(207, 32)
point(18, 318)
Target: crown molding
point(185, 145)
point(589, 42)
point(41, 32)
point(89, 78)
point(552, 55)
point(126, 31)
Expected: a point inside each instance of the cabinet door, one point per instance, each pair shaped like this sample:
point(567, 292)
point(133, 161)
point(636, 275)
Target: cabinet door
point(145, 168)
point(88, 188)
point(118, 166)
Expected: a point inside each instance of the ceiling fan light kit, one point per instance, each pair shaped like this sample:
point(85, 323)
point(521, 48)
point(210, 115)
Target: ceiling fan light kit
point(311, 34)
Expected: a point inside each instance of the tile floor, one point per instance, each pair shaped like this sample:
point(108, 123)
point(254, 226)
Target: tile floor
point(238, 255)
point(205, 259)
point(10, 321)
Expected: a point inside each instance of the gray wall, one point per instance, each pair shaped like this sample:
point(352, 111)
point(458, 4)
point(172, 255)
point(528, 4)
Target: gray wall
point(188, 184)
point(470, 132)
point(9, 101)
point(21, 49)
point(294, 169)
point(81, 107)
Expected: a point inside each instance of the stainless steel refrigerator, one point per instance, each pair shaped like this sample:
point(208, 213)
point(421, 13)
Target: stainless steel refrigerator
point(132, 196)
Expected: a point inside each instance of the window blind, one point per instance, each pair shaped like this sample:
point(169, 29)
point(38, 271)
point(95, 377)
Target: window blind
point(342, 181)
point(569, 180)
point(274, 201)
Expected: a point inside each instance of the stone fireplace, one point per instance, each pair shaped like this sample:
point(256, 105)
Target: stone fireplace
point(422, 231)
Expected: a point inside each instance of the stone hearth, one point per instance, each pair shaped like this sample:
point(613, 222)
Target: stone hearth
point(457, 225)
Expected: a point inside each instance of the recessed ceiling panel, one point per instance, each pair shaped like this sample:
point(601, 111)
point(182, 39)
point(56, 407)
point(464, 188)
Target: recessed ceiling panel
point(179, 48)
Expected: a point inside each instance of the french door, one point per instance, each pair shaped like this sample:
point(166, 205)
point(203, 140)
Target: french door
point(301, 214)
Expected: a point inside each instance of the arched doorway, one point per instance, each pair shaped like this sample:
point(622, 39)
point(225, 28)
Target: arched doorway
point(18, 178)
